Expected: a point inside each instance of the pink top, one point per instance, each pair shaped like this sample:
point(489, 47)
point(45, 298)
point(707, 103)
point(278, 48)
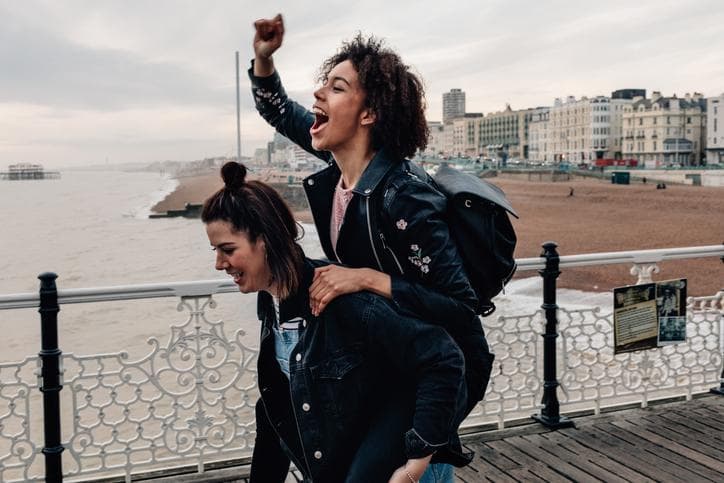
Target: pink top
point(342, 197)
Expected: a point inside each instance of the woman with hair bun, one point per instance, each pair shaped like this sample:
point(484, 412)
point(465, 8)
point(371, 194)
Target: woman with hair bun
point(330, 382)
point(377, 213)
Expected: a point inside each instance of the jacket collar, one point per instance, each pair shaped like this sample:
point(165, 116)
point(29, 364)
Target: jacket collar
point(374, 173)
point(296, 305)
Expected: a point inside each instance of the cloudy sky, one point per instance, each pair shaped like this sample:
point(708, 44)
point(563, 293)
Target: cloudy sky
point(85, 81)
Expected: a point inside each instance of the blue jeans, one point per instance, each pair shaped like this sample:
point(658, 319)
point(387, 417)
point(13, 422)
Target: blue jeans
point(438, 473)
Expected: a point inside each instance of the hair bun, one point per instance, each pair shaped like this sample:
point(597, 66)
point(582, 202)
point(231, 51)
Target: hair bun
point(233, 174)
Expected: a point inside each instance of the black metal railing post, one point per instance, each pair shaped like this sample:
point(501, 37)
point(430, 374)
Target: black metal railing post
point(50, 377)
point(550, 413)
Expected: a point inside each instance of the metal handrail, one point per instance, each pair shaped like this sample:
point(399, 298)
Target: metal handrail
point(207, 287)
point(633, 256)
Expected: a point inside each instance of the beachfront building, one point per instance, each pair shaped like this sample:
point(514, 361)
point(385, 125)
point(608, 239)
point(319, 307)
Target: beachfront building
point(538, 135)
point(261, 157)
point(453, 105)
point(715, 130)
point(499, 134)
point(665, 131)
point(525, 118)
point(436, 141)
point(619, 100)
point(579, 130)
point(465, 135)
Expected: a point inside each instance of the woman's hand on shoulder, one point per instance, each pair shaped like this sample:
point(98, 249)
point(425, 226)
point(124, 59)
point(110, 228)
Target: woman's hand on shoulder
point(268, 37)
point(331, 281)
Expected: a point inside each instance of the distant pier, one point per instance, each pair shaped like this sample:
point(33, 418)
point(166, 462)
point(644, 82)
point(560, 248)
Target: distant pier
point(23, 171)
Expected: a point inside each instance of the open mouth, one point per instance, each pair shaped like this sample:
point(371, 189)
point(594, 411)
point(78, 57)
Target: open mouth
point(236, 276)
point(320, 120)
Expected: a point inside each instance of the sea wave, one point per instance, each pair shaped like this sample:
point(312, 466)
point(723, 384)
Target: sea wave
point(167, 185)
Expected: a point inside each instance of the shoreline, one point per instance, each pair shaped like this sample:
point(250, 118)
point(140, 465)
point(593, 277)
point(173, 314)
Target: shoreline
point(599, 217)
point(195, 189)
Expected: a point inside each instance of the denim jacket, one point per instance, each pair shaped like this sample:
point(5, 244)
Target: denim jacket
point(426, 270)
point(347, 363)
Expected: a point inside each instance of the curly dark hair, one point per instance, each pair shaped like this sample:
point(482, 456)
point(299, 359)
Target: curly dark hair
point(394, 94)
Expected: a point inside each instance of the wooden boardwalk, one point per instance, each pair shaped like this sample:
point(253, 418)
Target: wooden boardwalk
point(679, 441)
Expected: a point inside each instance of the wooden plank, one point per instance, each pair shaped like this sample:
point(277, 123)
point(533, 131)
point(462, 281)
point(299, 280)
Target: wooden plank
point(673, 462)
point(710, 410)
point(482, 470)
point(532, 465)
point(671, 445)
point(600, 460)
point(621, 451)
point(540, 450)
point(703, 443)
point(488, 464)
point(685, 424)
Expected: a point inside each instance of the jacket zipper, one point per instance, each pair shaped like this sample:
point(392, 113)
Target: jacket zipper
point(394, 257)
point(369, 230)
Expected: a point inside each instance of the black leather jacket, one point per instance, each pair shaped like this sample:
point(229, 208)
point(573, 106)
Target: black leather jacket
point(349, 362)
point(428, 278)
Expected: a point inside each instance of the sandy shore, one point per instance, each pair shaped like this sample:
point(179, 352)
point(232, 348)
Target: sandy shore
point(599, 217)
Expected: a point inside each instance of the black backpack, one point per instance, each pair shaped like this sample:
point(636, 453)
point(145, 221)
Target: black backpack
point(479, 223)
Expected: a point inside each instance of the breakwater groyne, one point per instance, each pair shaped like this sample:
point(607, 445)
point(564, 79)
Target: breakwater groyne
point(293, 194)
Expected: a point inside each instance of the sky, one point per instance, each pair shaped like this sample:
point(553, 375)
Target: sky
point(93, 81)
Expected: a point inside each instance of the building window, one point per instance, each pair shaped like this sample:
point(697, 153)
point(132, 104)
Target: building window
point(688, 120)
point(641, 121)
point(668, 119)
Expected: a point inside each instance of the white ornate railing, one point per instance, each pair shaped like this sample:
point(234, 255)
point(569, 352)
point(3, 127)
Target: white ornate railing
point(189, 401)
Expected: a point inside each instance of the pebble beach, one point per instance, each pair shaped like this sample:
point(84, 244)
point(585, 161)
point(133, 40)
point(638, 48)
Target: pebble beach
point(598, 217)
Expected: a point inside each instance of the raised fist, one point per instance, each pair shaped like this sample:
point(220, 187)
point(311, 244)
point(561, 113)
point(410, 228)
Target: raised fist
point(269, 35)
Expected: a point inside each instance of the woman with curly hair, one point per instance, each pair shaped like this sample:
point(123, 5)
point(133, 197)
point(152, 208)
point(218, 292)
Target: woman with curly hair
point(376, 212)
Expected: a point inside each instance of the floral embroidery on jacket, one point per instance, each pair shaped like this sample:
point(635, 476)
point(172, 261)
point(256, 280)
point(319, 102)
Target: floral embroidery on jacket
point(418, 260)
point(401, 224)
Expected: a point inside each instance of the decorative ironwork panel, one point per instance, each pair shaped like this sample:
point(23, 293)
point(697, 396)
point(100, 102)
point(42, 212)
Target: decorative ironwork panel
point(20, 408)
point(593, 377)
point(189, 400)
point(516, 380)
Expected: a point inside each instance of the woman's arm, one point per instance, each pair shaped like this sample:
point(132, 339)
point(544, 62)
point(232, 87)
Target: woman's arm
point(433, 364)
point(286, 116)
point(434, 285)
point(331, 281)
point(267, 40)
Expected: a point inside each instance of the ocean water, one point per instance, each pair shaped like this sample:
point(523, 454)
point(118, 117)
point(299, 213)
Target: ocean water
point(92, 229)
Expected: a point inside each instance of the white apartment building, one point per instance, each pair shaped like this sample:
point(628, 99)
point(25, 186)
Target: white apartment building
point(665, 131)
point(538, 136)
point(499, 133)
point(579, 131)
point(436, 141)
point(466, 135)
point(715, 130)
